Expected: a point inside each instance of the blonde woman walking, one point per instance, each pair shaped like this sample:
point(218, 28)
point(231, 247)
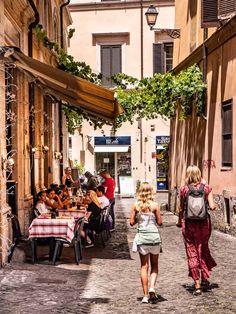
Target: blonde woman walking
point(146, 214)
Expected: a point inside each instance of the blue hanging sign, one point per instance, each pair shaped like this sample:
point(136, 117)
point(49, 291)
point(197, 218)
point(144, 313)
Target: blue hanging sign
point(162, 140)
point(112, 140)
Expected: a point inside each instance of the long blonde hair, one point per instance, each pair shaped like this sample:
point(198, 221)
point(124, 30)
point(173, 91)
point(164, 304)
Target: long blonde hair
point(94, 198)
point(193, 175)
point(145, 197)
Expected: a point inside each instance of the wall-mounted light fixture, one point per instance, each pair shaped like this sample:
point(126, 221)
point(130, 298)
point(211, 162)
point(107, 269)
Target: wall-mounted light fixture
point(7, 164)
point(45, 149)
point(30, 149)
point(151, 16)
point(58, 155)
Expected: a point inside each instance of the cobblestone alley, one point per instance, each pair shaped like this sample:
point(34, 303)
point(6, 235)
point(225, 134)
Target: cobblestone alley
point(107, 280)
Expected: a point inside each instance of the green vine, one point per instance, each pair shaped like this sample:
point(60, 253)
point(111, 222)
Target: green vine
point(147, 98)
point(160, 95)
point(71, 33)
point(81, 69)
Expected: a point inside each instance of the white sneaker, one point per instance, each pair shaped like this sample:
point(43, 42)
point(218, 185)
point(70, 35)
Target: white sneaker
point(145, 299)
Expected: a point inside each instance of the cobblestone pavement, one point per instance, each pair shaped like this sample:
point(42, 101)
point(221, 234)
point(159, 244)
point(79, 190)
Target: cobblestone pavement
point(107, 280)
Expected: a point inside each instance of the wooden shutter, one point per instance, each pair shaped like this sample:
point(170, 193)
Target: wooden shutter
point(116, 60)
point(158, 58)
point(226, 8)
point(106, 64)
point(227, 134)
point(209, 12)
point(110, 63)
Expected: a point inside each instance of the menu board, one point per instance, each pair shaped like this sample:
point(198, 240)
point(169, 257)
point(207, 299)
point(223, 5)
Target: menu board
point(126, 186)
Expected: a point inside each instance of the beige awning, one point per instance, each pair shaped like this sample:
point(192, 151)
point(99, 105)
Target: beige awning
point(97, 101)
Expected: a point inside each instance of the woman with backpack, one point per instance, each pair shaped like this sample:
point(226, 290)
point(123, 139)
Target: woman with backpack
point(195, 198)
point(147, 242)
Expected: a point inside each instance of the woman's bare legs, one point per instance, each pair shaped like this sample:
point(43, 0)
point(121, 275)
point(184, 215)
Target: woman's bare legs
point(84, 235)
point(144, 272)
point(197, 284)
point(154, 270)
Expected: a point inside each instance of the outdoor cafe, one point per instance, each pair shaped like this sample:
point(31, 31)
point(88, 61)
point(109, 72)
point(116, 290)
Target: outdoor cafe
point(64, 226)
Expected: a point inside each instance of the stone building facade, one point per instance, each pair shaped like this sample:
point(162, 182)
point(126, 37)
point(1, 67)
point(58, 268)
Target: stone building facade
point(208, 37)
point(34, 137)
point(30, 119)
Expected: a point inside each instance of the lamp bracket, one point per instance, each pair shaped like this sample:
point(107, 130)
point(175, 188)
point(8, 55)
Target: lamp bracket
point(172, 32)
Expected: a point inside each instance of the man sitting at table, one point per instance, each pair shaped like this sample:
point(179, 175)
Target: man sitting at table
point(103, 200)
point(41, 203)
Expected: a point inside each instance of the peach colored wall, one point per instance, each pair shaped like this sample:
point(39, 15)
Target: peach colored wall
point(221, 87)
point(109, 21)
point(196, 140)
point(115, 21)
point(189, 22)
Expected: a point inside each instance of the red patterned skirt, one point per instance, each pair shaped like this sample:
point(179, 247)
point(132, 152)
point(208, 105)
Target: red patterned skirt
point(196, 237)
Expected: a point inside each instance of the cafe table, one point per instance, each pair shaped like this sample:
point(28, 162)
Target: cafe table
point(46, 227)
point(72, 212)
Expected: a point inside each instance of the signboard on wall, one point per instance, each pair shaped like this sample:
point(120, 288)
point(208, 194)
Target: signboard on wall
point(162, 140)
point(112, 140)
point(160, 166)
point(126, 186)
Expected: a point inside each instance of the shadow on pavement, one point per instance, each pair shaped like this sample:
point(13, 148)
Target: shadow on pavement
point(190, 288)
point(60, 288)
point(158, 300)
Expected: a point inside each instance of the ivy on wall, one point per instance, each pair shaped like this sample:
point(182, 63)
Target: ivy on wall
point(147, 98)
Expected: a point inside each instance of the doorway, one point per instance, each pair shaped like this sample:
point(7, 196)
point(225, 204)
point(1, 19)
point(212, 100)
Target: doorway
point(105, 161)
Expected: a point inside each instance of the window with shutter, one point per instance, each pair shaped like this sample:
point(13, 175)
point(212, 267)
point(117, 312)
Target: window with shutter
point(209, 12)
point(226, 8)
point(110, 63)
point(158, 58)
point(162, 57)
point(227, 120)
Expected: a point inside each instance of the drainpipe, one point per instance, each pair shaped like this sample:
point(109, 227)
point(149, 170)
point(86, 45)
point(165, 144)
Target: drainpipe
point(60, 104)
point(61, 22)
point(204, 54)
point(31, 27)
point(141, 74)
point(31, 97)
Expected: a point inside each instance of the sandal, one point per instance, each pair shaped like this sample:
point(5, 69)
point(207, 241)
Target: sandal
point(197, 291)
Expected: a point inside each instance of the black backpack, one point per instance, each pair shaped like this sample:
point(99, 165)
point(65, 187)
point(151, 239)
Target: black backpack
point(196, 203)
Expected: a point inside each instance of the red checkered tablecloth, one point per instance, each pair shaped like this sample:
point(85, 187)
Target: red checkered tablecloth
point(47, 227)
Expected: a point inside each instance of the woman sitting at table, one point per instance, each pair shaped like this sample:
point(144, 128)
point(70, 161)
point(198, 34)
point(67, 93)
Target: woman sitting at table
point(53, 201)
point(64, 200)
point(41, 207)
point(65, 192)
point(93, 215)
